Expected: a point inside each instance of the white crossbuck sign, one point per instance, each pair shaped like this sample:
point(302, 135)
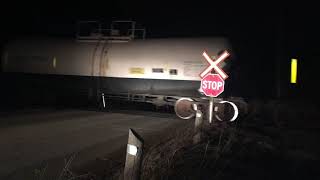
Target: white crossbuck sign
point(214, 64)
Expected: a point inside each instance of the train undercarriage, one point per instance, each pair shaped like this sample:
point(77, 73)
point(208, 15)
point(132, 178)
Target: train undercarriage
point(184, 106)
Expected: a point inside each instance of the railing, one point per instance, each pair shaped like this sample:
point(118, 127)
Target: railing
point(94, 31)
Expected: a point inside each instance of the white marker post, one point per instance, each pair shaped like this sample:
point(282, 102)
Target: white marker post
point(134, 156)
point(103, 101)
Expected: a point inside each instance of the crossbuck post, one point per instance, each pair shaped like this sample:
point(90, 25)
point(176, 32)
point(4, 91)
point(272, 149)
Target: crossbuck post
point(197, 125)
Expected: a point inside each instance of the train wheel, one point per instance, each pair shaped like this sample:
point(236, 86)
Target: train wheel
point(183, 108)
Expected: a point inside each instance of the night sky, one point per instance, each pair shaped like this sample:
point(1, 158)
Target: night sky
point(262, 34)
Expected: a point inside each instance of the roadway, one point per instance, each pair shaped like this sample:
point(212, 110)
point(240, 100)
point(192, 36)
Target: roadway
point(29, 138)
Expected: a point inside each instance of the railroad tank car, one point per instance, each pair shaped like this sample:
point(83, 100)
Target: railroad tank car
point(132, 69)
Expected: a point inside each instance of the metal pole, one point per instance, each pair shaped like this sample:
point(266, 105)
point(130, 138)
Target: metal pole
point(219, 109)
point(133, 27)
point(210, 109)
point(144, 34)
point(197, 127)
point(134, 156)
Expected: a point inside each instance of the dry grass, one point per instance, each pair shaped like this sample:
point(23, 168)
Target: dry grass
point(179, 158)
point(65, 174)
point(254, 147)
point(158, 159)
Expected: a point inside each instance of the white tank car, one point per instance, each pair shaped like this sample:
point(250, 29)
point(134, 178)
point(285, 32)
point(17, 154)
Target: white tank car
point(148, 70)
point(166, 59)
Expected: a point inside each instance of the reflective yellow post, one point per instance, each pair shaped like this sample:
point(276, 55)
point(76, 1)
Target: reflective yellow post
point(294, 69)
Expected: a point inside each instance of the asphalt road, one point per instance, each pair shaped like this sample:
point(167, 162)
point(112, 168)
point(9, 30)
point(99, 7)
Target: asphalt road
point(30, 138)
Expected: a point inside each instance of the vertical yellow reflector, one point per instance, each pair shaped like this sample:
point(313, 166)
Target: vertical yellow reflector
point(294, 69)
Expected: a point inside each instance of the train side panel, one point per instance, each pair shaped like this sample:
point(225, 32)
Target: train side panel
point(68, 71)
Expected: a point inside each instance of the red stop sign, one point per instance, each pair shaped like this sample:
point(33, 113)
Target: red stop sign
point(212, 85)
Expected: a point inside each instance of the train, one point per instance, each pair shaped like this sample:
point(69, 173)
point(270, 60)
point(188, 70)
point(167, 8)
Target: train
point(106, 64)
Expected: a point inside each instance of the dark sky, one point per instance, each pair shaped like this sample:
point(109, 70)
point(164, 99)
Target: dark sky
point(260, 32)
point(292, 23)
point(162, 18)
